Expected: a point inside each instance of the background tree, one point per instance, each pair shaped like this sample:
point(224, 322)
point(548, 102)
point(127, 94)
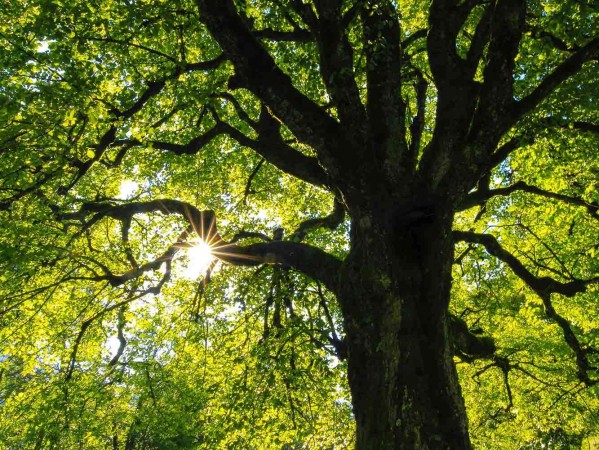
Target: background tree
point(388, 188)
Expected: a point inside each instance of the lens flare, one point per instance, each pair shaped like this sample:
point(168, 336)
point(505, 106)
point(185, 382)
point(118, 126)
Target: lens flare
point(199, 257)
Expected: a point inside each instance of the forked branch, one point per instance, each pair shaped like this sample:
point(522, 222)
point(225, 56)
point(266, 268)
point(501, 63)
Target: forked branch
point(331, 222)
point(543, 287)
point(312, 261)
point(561, 73)
point(480, 197)
point(257, 71)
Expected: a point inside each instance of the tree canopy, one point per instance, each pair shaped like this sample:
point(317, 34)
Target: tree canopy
point(133, 130)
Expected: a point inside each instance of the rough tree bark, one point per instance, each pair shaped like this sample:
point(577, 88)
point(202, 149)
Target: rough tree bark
point(394, 292)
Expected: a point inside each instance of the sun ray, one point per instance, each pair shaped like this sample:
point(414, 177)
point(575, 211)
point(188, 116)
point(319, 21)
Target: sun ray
point(199, 258)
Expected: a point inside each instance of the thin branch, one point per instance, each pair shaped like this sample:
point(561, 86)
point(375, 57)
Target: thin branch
point(192, 147)
point(125, 226)
point(120, 335)
point(339, 344)
point(153, 89)
point(249, 235)
point(420, 34)
point(480, 39)
point(131, 44)
point(331, 222)
point(581, 353)
point(549, 249)
point(240, 111)
point(281, 155)
point(248, 186)
point(269, 145)
point(506, 149)
point(305, 11)
point(553, 39)
point(73, 359)
point(418, 121)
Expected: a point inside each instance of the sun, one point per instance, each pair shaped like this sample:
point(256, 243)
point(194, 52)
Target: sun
point(199, 257)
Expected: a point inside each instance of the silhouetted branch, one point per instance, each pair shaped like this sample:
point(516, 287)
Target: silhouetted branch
point(479, 197)
point(331, 222)
point(248, 186)
point(561, 73)
point(258, 72)
point(554, 40)
point(120, 336)
point(543, 287)
point(312, 261)
point(297, 35)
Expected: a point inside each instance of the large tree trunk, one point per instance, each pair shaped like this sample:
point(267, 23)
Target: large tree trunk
point(395, 293)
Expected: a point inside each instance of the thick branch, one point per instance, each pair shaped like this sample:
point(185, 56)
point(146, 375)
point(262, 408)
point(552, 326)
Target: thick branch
point(312, 261)
point(256, 70)
point(491, 118)
point(561, 73)
point(336, 62)
point(479, 197)
point(467, 345)
point(541, 285)
point(446, 18)
point(385, 105)
point(496, 94)
point(309, 260)
point(457, 94)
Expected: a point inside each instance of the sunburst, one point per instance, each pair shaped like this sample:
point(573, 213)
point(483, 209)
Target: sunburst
point(199, 259)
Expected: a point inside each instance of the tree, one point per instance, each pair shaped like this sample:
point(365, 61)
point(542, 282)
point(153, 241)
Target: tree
point(455, 142)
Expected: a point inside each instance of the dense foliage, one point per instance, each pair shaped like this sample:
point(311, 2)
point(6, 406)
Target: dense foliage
point(120, 121)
